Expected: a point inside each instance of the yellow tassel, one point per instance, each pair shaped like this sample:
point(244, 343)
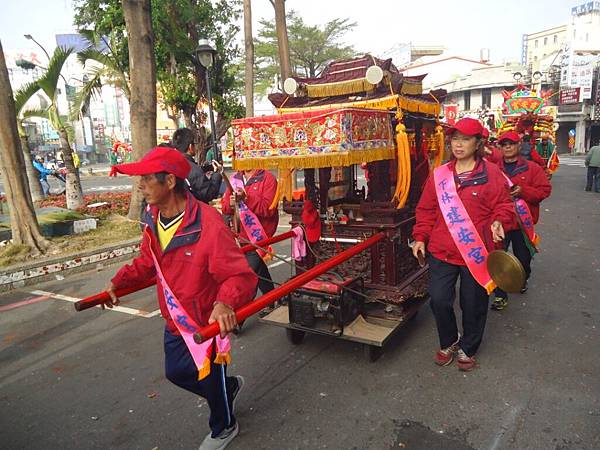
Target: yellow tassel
point(315, 161)
point(339, 88)
point(441, 146)
point(223, 358)
point(205, 369)
point(411, 87)
point(403, 164)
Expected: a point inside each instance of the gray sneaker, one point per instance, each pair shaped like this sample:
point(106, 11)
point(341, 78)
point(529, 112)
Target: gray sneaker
point(221, 441)
point(236, 394)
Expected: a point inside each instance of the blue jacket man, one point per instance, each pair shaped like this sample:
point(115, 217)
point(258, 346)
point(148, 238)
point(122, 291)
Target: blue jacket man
point(42, 174)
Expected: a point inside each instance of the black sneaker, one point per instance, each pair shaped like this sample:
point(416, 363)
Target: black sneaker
point(524, 288)
point(499, 304)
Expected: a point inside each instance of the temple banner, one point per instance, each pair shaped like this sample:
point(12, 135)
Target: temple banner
point(313, 139)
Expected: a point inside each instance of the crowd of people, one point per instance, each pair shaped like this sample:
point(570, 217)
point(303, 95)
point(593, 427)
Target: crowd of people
point(469, 206)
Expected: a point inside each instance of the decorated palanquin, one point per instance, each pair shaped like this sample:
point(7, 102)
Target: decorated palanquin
point(313, 139)
point(361, 140)
point(524, 112)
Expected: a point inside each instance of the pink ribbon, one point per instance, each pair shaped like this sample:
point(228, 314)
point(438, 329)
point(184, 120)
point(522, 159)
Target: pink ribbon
point(252, 226)
point(298, 244)
point(524, 216)
point(463, 232)
point(187, 326)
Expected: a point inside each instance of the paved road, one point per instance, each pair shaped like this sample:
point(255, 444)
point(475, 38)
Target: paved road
point(94, 379)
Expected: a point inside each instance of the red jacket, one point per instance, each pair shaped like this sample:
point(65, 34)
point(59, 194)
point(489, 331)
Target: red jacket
point(202, 264)
point(260, 192)
point(486, 199)
point(534, 184)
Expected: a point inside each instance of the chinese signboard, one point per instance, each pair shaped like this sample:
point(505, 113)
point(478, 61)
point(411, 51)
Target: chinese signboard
point(524, 105)
point(569, 96)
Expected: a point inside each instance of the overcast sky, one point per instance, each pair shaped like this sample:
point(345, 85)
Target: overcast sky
point(464, 27)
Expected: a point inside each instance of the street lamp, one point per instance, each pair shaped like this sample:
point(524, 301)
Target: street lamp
point(206, 55)
point(30, 37)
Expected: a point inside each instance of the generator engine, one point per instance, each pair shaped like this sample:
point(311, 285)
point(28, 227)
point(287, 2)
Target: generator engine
point(322, 304)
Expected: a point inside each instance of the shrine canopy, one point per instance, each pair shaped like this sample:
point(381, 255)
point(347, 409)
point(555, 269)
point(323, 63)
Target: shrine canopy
point(313, 139)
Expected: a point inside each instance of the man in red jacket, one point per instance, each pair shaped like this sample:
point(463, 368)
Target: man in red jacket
point(529, 183)
point(258, 191)
point(201, 277)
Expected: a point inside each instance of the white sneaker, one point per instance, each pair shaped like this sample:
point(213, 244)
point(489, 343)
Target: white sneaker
point(221, 441)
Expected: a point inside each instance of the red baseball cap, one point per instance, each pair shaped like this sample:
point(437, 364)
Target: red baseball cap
point(159, 159)
point(512, 136)
point(468, 126)
point(311, 221)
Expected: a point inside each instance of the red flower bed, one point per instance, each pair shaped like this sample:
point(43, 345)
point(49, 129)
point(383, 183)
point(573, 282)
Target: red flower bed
point(117, 203)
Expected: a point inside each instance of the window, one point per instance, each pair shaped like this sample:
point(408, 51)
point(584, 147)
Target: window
point(555, 38)
point(587, 37)
point(545, 41)
point(467, 99)
point(536, 43)
point(535, 58)
point(486, 98)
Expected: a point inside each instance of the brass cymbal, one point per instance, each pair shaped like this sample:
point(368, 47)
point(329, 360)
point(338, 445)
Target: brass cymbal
point(506, 271)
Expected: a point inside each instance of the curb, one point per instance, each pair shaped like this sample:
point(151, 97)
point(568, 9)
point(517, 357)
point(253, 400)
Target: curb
point(37, 272)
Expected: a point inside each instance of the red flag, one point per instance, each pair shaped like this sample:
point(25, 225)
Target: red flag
point(553, 162)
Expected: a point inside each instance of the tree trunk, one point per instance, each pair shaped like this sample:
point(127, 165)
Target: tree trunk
point(74, 192)
point(282, 40)
point(142, 74)
point(249, 69)
point(23, 222)
point(32, 175)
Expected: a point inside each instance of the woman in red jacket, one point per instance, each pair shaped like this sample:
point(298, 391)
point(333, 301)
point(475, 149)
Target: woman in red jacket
point(529, 183)
point(484, 198)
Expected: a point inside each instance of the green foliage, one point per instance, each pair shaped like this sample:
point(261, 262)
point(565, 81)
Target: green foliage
point(311, 48)
point(177, 26)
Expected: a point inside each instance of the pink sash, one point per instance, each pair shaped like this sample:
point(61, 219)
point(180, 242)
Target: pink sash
point(463, 232)
point(187, 327)
point(252, 226)
point(525, 218)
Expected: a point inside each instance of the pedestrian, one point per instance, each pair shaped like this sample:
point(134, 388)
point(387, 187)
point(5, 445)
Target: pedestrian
point(205, 185)
point(38, 164)
point(529, 153)
point(253, 193)
point(462, 213)
point(202, 277)
point(592, 162)
point(529, 183)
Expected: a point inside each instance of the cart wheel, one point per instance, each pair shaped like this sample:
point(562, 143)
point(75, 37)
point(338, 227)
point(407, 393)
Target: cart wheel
point(372, 352)
point(295, 336)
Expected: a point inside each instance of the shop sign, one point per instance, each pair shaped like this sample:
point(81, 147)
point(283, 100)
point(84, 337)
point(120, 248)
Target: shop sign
point(569, 96)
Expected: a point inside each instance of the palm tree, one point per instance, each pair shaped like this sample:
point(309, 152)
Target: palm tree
point(22, 96)
point(103, 67)
point(48, 83)
point(23, 223)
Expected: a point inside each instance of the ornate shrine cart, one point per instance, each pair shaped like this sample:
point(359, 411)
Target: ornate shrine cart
point(524, 112)
point(364, 146)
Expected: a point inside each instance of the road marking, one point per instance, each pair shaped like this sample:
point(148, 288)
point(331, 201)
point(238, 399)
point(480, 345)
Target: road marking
point(124, 187)
point(122, 309)
point(29, 301)
point(278, 263)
